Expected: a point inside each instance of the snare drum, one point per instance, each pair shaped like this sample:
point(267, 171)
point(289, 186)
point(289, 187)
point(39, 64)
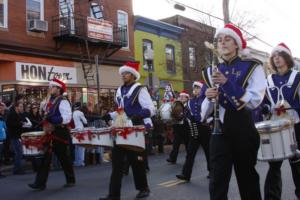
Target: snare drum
point(277, 140)
point(33, 143)
point(131, 138)
point(102, 137)
point(82, 137)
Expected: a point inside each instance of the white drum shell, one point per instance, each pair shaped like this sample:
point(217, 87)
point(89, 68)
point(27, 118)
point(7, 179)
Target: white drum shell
point(85, 140)
point(278, 145)
point(32, 150)
point(134, 141)
point(102, 137)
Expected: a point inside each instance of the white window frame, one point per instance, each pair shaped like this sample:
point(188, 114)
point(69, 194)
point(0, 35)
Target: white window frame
point(5, 14)
point(123, 12)
point(42, 10)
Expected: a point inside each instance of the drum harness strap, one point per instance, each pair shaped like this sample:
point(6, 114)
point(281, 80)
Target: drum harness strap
point(280, 96)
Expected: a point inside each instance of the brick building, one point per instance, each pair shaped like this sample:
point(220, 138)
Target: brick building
point(42, 39)
point(195, 55)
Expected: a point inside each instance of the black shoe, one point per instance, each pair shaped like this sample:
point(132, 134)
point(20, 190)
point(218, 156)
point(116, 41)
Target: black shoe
point(67, 185)
point(2, 176)
point(36, 186)
point(169, 160)
point(143, 194)
point(109, 198)
point(183, 177)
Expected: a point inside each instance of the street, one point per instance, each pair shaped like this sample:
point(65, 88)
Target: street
point(92, 182)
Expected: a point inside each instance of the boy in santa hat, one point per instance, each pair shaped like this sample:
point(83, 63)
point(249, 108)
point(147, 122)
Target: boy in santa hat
point(136, 102)
point(58, 115)
point(241, 89)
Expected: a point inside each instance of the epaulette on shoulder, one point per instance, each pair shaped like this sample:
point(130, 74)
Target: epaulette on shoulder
point(254, 60)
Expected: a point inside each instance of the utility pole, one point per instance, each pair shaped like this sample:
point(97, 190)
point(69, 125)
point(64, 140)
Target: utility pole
point(226, 11)
point(98, 81)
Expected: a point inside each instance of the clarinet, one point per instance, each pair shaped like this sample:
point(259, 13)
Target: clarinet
point(217, 123)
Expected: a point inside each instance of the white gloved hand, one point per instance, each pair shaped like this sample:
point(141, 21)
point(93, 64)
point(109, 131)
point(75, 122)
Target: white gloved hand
point(27, 124)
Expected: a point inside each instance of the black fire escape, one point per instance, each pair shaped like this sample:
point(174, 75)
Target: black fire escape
point(70, 26)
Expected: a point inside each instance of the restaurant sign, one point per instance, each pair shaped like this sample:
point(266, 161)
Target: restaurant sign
point(44, 73)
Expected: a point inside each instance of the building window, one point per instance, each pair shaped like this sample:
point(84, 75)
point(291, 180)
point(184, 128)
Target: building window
point(147, 44)
point(170, 59)
point(66, 17)
point(96, 10)
point(192, 57)
point(3, 13)
point(123, 27)
point(35, 9)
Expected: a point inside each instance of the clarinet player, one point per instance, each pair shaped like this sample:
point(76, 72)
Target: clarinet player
point(241, 88)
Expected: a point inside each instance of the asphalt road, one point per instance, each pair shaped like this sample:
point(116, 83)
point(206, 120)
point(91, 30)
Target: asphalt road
point(92, 182)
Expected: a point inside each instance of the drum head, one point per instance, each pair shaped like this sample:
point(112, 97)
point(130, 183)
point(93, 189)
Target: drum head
point(271, 126)
point(34, 133)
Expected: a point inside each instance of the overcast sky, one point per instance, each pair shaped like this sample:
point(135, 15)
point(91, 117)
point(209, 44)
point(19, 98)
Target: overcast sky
point(275, 21)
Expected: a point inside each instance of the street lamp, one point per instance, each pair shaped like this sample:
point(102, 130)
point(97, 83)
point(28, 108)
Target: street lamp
point(179, 7)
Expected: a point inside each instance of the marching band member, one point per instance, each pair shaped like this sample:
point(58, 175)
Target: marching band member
point(58, 115)
point(138, 106)
point(199, 133)
point(281, 61)
point(241, 89)
point(179, 131)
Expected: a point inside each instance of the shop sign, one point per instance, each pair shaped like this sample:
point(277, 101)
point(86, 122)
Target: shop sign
point(44, 73)
point(99, 29)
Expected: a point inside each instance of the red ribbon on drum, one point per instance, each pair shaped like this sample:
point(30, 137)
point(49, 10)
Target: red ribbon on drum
point(281, 110)
point(80, 136)
point(36, 142)
point(125, 131)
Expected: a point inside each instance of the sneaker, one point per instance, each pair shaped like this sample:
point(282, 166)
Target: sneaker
point(36, 186)
point(143, 194)
point(183, 177)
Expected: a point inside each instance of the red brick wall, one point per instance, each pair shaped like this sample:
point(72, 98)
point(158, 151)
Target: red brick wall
point(16, 33)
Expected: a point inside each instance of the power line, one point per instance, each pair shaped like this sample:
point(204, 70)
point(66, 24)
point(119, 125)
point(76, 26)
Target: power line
point(221, 19)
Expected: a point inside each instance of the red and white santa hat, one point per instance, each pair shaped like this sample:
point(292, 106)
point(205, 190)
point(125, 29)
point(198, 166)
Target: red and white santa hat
point(132, 67)
point(198, 83)
point(281, 48)
point(184, 93)
point(58, 83)
point(235, 33)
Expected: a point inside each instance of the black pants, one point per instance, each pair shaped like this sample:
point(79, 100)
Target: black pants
point(273, 183)
point(237, 147)
point(63, 154)
point(181, 135)
point(136, 161)
point(194, 143)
